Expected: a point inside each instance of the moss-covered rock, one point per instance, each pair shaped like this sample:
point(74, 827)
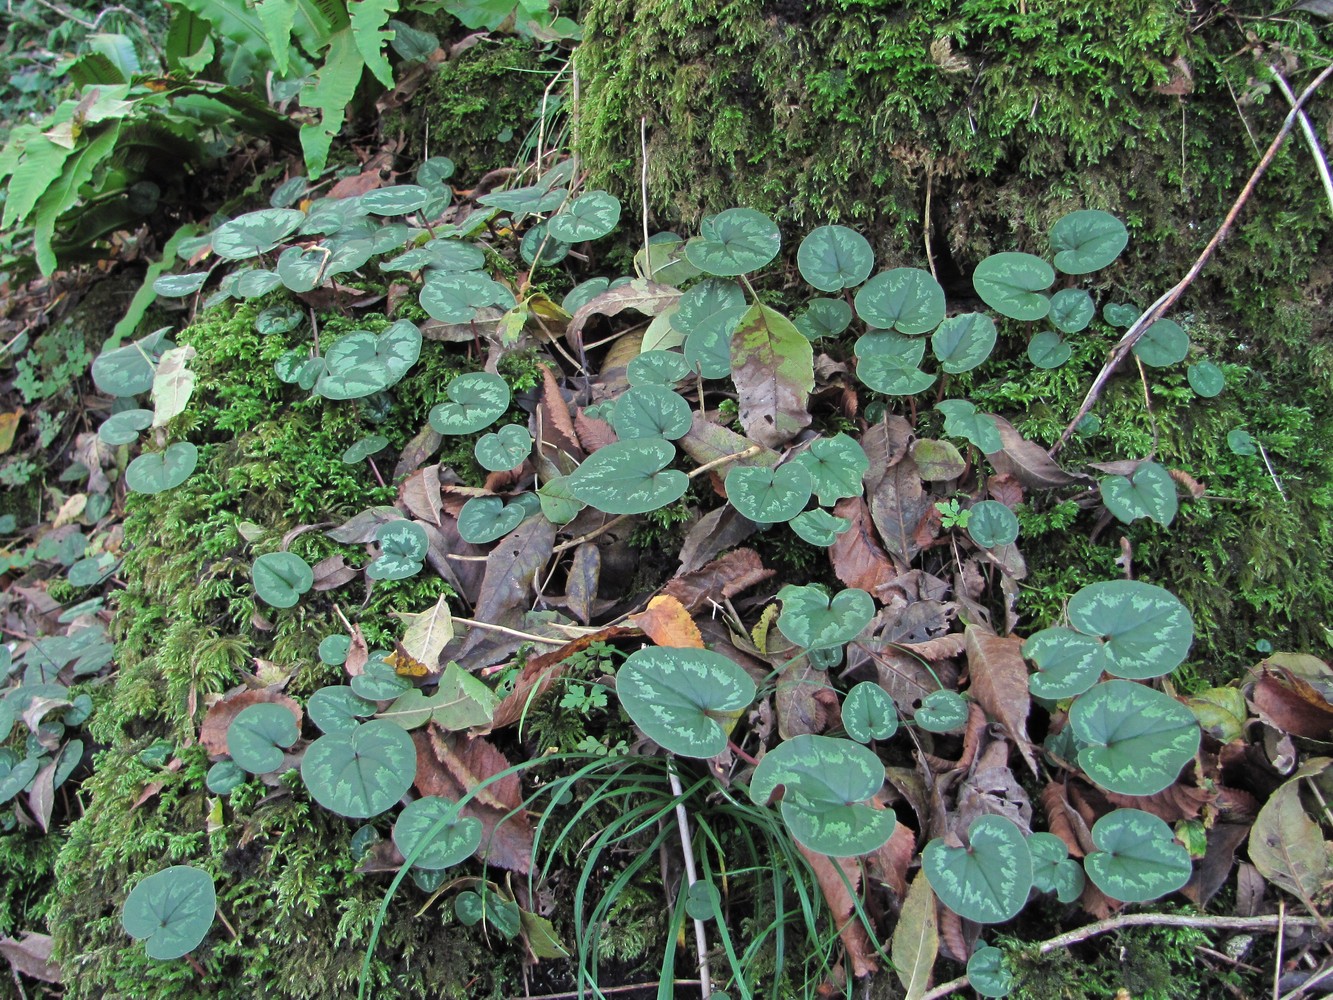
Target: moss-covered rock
point(946, 132)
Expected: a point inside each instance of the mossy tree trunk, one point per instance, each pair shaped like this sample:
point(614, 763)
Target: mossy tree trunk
point(946, 131)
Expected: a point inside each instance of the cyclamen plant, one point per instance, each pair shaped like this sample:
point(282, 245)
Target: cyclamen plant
point(710, 329)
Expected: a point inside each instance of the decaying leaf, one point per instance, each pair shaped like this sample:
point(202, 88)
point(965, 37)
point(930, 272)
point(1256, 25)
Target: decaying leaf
point(30, 955)
point(999, 681)
point(898, 505)
point(916, 940)
point(1286, 845)
point(772, 366)
point(856, 556)
point(213, 732)
point(723, 578)
point(1293, 704)
point(507, 587)
point(668, 623)
point(1028, 462)
point(428, 632)
point(839, 880)
point(718, 530)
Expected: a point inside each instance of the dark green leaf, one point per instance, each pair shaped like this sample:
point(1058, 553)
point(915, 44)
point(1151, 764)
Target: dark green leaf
point(734, 242)
point(1206, 379)
point(255, 233)
point(1137, 739)
point(506, 448)
point(363, 772)
point(685, 700)
point(769, 496)
point(905, 299)
point(1048, 350)
point(811, 620)
point(1012, 283)
point(941, 712)
point(650, 411)
point(819, 527)
point(258, 736)
point(173, 910)
point(868, 713)
point(162, 470)
point(992, 524)
point(1072, 309)
point(989, 880)
point(834, 257)
point(432, 829)
point(1087, 241)
point(588, 217)
point(963, 342)
point(629, 477)
point(1147, 492)
point(1162, 344)
point(1137, 857)
point(475, 401)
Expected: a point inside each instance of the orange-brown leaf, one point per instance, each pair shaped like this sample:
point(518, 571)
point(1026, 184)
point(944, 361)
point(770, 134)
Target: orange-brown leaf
point(830, 872)
point(667, 623)
point(857, 558)
point(1000, 683)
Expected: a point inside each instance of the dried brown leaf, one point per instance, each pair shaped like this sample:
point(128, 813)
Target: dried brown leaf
point(1006, 489)
point(1210, 874)
point(557, 427)
point(999, 681)
point(897, 505)
point(856, 556)
point(839, 879)
point(889, 863)
point(885, 444)
point(1293, 705)
point(508, 586)
point(641, 295)
point(30, 955)
point(425, 444)
point(667, 623)
point(804, 701)
point(1064, 821)
point(1028, 462)
point(585, 570)
point(916, 939)
point(593, 433)
point(718, 530)
point(333, 572)
point(772, 368)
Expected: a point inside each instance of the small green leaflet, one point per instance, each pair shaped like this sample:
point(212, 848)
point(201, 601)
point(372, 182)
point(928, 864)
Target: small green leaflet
point(768, 496)
point(1049, 350)
point(1138, 739)
point(255, 233)
point(992, 524)
point(482, 520)
point(559, 506)
point(650, 411)
point(398, 199)
point(1241, 442)
point(889, 375)
point(734, 242)
point(334, 649)
point(337, 708)
point(403, 548)
point(280, 578)
point(834, 257)
point(1162, 344)
point(1137, 857)
point(1052, 868)
point(987, 975)
point(989, 880)
point(836, 465)
point(1206, 379)
point(178, 286)
point(364, 448)
point(660, 368)
point(819, 527)
point(961, 419)
point(171, 911)
point(1087, 241)
point(1072, 309)
point(1068, 662)
point(1012, 284)
point(963, 342)
point(685, 700)
point(258, 736)
point(128, 370)
point(505, 449)
point(1149, 491)
point(1120, 314)
point(475, 401)
point(124, 427)
point(629, 477)
point(827, 783)
point(941, 711)
point(361, 363)
point(823, 318)
point(431, 832)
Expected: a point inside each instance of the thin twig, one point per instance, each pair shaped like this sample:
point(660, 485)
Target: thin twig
point(1147, 403)
point(1139, 920)
point(1169, 297)
point(1269, 465)
point(925, 226)
point(1277, 951)
point(574, 994)
point(545, 640)
point(643, 194)
point(1320, 161)
point(683, 825)
point(1319, 978)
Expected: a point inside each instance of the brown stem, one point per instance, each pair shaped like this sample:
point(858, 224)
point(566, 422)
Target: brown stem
point(1171, 295)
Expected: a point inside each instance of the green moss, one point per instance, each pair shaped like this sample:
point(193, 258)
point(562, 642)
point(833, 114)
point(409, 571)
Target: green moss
point(479, 107)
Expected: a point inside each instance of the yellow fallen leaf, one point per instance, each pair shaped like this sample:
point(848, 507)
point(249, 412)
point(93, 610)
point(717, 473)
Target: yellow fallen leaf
point(9, 424)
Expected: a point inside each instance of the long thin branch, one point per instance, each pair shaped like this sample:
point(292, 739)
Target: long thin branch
point(687, 848)
point(1169, 297)
point(1311, 140)
point(1142, 920)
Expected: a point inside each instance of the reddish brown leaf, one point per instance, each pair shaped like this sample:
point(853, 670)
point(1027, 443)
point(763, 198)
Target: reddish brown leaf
point(585, 570)
point(999, 681)
point(213, 732)
point(885, 444)
point(1006, 489)
point(857, 558)
point(718, 530)
point(1293, 705)
point(1173, 803)
point(420, 494)
point(805, 702)
point(593, 433)
point(557, 428)
point(508, 586)
point(667, 623)
point(30, 955)
point(425, 444)
point(722, 578)
point(1064, 821)
point(943, 648)
point(889, 863)
point(953, 938)
point(450, 766)
point(1191, 485)
point(1211, 873)
point(898, 505)
point(333, 572)
point(839, 879)
point(641, 295)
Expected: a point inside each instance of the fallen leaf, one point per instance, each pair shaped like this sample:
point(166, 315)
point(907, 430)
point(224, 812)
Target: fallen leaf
point(1028, 462)
point(937, 461)
point(9, 424)
point(772, 367)
point(641, 295)
point(916, 940)
point(888, 863)
point(999, 681)
point(540, 672)
point(667, 623)
point(173, 384)
point(593, 433)
point(30, 955)
point(360, 530)
point(1287, 847)
point(428, 632)
point(420, 493)
point(856, 556)
point(1006, 489)
point(585, 570)
point(723, 578)
point(897, 505)
point(557, 428)
point(839, 879)
point(333, 572)
point(1174, 803)
point(1210, 874)
point(707, 441)
point(805, 702)
point(450, 766)
point(69, 510)
point(954, 944)
point(721, 528)
point(509, 583)
point(1293, 705)
point(213, 732)
point(425, 444)
point(1064, 821)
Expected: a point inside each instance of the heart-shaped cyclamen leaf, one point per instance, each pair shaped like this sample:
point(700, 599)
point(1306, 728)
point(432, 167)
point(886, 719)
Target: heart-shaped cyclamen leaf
point(905, 299)
point(941, 711)
point(1162, 344)
point(398, 199)
point(836, 465)
point(338, 709)
point(171, 911)
point(258, 736)
point(254, 233)
point(1149, 491)
point(813, 621)
point(891, 376)
point(475, 401)
point(505, 449)
point(124, 427)
point(818, 527)
point(430, 831)
point(178, 286)
point(992, 524)
point(1072, 309)
point(1052, 868)
point(1069, 662)
point(1087, 241)
point(989, 880)
point(129, 370)
point(987, 975)
point(827, 783)
point(629, 477)
point(225, 777)
point(1145, 629)
point(363, 772)
point(1012, 283)
point(1137, 739)
point(1206, 379)
point(403, 548)
point(361, 363)
point(768, 496)
point(963, 342)
point(588, 217)
point(455, 296)
point(484, 519)
point(1137, 857)
point(650, 411)
point(559, 506)
point(1047, 350)
point(685, 700)
point(660, 368)
point(280, 578)
point(823, 318)
point(734, 242)
point(162, 470)
point(868, 713)
point(834, 257)
point(364, 448)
